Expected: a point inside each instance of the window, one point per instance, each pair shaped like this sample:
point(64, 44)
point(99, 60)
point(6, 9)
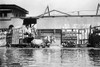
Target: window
point(0, 14)
point(5, 14)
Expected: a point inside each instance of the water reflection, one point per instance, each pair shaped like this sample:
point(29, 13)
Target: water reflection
point(94, 57)
point(49, 57)
point(73, 57)
point(2, 57)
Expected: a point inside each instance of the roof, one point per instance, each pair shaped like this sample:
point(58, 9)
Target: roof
point(52, 11)
point(81, 13)
point(70, 16)
point(13, 6)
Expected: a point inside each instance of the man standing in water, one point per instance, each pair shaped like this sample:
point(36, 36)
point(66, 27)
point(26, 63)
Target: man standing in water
point(10, 29)
point(9, 35)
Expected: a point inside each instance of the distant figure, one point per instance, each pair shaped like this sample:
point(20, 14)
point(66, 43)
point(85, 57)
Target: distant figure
point(10, 29)
point(9, 35)
point(95, 30)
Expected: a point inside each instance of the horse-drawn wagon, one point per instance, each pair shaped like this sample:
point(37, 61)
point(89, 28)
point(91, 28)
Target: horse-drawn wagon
point(26, 36)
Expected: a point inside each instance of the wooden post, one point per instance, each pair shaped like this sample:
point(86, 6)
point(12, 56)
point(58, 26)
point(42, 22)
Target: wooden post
point(61, 36)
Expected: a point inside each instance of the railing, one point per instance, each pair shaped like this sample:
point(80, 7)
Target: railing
point(80, 36)
point(19, 36)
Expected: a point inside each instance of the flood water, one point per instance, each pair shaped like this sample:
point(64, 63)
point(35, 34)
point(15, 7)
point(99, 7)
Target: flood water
point(49, 57)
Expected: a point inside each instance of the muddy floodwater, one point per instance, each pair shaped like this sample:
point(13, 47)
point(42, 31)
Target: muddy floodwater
point(49, 57)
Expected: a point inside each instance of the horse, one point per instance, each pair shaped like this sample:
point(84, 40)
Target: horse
point(42, 42)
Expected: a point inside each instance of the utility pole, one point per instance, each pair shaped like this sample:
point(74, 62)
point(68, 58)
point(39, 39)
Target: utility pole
point(47, 10)
point(78, 12)
point(97, 9)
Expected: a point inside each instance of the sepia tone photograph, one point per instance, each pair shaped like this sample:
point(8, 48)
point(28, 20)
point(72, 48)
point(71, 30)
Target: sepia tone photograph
point(49, 33)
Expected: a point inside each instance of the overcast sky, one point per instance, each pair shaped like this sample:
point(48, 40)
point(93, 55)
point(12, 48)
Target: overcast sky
point(37, 7)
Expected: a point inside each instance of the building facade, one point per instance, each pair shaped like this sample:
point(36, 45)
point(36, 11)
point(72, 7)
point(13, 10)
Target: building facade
point(68, 22)
point(72, 26)
point(11, 14)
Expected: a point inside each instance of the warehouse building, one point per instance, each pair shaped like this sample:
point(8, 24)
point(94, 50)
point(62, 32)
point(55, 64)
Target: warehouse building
point(54, 25)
